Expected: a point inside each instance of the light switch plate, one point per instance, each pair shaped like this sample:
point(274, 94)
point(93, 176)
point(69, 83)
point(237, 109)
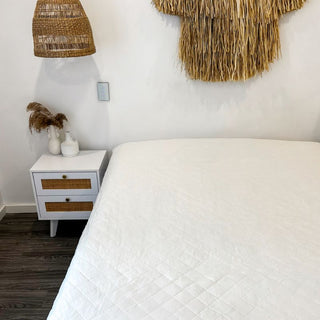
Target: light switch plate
point(103, 91)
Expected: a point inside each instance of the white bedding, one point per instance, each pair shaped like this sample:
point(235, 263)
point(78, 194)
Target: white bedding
point(201, 229)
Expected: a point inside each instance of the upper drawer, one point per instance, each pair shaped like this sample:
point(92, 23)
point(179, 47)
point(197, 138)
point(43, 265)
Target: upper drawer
point(66, 183)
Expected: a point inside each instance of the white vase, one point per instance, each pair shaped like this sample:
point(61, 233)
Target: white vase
point(54, 144)
point(70, 147)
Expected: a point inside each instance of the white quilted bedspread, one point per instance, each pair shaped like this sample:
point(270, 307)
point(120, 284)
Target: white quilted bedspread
point(201, 229)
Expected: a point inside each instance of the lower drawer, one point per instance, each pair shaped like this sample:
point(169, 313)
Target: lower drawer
point(65, 207)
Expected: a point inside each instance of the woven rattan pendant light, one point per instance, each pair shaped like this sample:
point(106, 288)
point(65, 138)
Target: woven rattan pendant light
point(61, 29)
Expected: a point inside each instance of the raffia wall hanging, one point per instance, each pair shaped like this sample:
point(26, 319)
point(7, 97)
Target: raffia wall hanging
point(61, 29)
point(223, 40)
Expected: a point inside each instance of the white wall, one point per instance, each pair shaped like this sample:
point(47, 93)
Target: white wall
point(2, 208)
point(150, 97)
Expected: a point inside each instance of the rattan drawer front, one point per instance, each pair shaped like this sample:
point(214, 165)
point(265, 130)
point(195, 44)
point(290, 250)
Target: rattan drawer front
point(71, 183)
point(54, 184)
point(66, 207)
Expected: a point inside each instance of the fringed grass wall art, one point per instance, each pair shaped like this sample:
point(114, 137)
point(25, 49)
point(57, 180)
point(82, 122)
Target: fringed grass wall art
point(286, 6)
point(228, 40)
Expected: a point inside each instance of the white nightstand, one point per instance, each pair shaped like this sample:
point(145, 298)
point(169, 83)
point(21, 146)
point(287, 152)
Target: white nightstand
point(66, 188)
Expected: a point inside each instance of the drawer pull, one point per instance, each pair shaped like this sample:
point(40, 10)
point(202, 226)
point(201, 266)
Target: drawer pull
point(64, 177)
point(67, 199)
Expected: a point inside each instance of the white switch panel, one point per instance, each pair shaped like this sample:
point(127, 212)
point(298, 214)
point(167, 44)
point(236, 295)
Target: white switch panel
point(103, 91)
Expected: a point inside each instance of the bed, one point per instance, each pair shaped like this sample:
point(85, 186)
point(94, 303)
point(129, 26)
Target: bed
point(201, 229)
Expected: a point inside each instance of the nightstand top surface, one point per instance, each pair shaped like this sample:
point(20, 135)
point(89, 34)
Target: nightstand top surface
point(86, 160)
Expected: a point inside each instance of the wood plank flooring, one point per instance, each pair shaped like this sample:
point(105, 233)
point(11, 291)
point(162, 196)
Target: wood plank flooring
point(33, 265)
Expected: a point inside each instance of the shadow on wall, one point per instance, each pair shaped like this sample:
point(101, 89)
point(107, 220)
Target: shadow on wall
point(69, 86)
point(69, 71)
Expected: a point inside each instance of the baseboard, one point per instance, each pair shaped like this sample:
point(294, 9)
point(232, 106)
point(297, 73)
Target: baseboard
point(2, 212)
point(20, 208)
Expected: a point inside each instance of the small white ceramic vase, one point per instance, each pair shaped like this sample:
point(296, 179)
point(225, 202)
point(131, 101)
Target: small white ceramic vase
point(70, 147)
point(54, 144)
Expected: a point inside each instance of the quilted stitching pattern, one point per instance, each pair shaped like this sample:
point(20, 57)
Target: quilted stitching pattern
point(201, 229)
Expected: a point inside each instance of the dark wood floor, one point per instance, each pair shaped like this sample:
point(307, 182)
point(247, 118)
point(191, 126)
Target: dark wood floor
point(33, 265)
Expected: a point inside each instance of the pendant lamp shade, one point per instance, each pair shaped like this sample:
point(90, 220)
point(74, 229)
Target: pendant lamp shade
point(61, 29)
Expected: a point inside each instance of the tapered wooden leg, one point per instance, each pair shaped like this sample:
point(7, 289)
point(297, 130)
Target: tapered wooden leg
point(53, 228)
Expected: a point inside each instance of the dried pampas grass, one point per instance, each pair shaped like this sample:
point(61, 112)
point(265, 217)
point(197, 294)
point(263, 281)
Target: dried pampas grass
point(225, 40)
point(41, 118)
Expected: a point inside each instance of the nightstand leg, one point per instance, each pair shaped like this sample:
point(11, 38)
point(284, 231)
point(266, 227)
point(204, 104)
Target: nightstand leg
point(53, 228)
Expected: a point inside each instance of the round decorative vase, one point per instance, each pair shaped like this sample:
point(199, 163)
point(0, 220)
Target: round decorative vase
point(70, 147)
point(54, 144)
